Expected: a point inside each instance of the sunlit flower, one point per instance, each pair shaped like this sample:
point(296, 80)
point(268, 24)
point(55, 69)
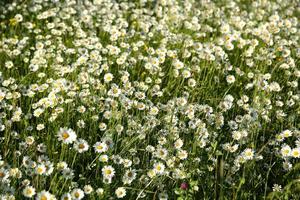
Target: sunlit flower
point(77, 194)
point(286, 151)
point(120, 192)
point(67, 136)
point(29, 191)
point(81, 145)
point(159, 168)
point(108, 172)
point(100, 147)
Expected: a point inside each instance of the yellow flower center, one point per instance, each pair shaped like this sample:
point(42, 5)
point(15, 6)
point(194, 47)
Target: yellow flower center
point(43, 197)
point(249, 154)
point(39, 170)
point(65, 135)
point(77, 195)
point(99, 147)
point(29, 192)
point(286, 151)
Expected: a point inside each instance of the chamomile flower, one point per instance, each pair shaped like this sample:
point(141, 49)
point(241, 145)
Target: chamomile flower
point(159, 168)
point(67, 136)
point(286, 151)
point(40, 169)
point(129, 176)
point(158, 90)
point(108, 172)
point(88, 189)
point(248, 154)
point(120, 192)
point(44, 195)
point(108, 77)
point(230, 79)
point(81, 146)
point(66, 196)
point(100, 147)
point(100, 191)
point(178, 143)
point(182, 154)
point(103, 158)
point(295, 153)
point(286, 133)
point(77, 194)
point(29, 191)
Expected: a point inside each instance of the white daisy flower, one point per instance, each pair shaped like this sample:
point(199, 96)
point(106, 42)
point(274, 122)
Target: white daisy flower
point(28, 191)
point(108, 77)
point(67, 136)
point(100, 147)
point(81, 146)
point(120, 192)
point(295, 153)
point(108, 172)
point(45, 195)
point(286, 151)
point(159, 168)
point(77, 194)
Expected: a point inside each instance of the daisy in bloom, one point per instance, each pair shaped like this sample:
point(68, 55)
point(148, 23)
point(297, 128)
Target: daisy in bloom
point(29, 191)
point(286, 151)
point(88, 189)
point(295, 153)
point(182, 154)
point(108, 77)
point(236, 135)
point(147, 96)
point(61, 165)
point(248, 154)
point(108, 172)
point(120, 192)
point(40, 169)
point(129, 176)
point(77, 194)
point(287, 165)
point(287, 133)
point(66, 196)
point(45, 195)
point(161, 153)
point(279, 137)
point(100, 191)
point(151, 173)
point(276, 188)
point(29, 140)
point(114, 91)
point(230, 79)
point(178, 143)
point(159, 168)
point(103, 158)
point(153, 110)
point(67, 136)
point(2, 95)
point(81, 145)
point(100, 147)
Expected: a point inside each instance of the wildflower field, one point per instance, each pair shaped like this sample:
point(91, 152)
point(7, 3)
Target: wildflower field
point(149, 99)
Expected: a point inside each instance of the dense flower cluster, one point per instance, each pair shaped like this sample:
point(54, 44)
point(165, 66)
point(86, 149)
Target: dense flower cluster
point(149, 99)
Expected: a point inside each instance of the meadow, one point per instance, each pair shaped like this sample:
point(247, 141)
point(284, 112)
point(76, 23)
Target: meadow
point(149, 99)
